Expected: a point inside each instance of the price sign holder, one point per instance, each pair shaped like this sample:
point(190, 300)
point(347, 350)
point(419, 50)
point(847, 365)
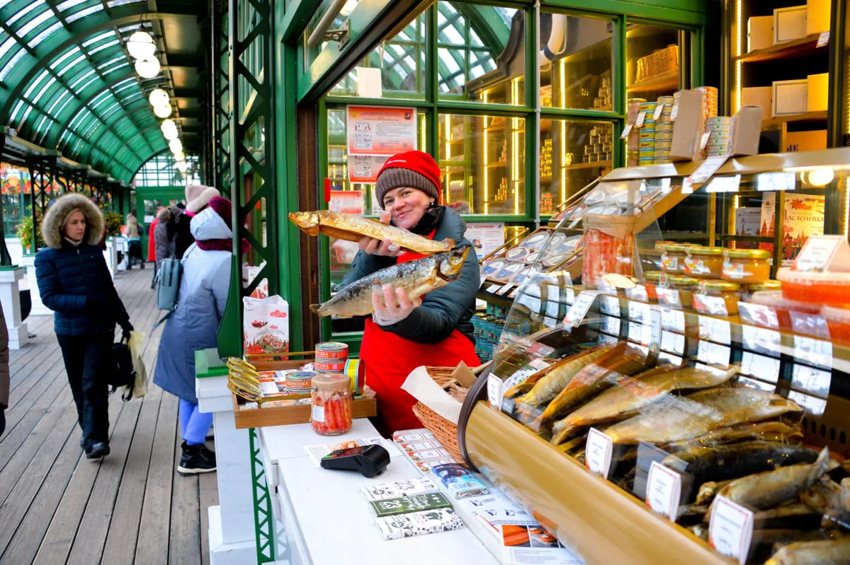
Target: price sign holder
point(598, 452)
point(503, 290)
point(658, 111)
point(731, 529)
point(664, 490)
point(626, 131)
point(580, 307)
point(493, 288)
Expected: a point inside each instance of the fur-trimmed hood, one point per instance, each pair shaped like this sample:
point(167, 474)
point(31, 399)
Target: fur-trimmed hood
point(57, 214)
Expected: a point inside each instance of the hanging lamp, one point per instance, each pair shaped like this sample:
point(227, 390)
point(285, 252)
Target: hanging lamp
point(141, 45)
point(148, 68)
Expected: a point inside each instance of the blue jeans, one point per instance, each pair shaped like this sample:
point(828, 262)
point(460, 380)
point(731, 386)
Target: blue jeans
point(195, 424)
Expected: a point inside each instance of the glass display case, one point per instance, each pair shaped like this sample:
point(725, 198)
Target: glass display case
point(670, 401)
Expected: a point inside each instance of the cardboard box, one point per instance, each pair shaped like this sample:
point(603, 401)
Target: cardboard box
point(805, 141)
point(745, 132)
point(818, 93)
point(789, 24)
point(818, 14)
point(759, 96)
point(759, 33)
point(790, 97)
point(688, 127)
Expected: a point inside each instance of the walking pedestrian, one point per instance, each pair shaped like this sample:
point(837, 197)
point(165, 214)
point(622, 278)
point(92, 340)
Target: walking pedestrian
point(194, 325)
point(152, 245)
point(134, 241)
point(161, 244)
point(4, 371)
point(74, 282)
point(198, 198)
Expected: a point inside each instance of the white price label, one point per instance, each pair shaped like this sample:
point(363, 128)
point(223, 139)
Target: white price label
point(673, 320)
point(731, 529)
point(626, 131)
point(669, 296)
point(655, 330)
point(494, 391)
point(703, 141)
point(823, 39)
point(724, 184)
point(713, 329)
point(817, 252)
point(610, 325)
point(641, 117)
point(761, 339)
point(664, 490)
point(674, 112)
point(503, 290)
point(609, 305)
point(658, 111)
point(580, 307)
point(776, 181)
point(687, 186)
point(713, 353)
point(674, 343)
point(318, 414)
point(637, 333)
point(598, 452)
point(493, 288)
point(638, 312)
point(759, 314)
point(706, 170)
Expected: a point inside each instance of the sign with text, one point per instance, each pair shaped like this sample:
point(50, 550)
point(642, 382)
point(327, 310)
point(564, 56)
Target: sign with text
point(731, 529)
point(379, 130)
point(664, 490)
point(598, 452)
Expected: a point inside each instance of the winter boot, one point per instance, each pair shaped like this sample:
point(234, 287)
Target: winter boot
point(196, 459)
point(98, 451)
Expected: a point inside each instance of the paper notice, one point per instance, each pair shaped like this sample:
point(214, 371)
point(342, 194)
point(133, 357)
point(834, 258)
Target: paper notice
point(598, 452)
point(731, 529)
point(580, 307)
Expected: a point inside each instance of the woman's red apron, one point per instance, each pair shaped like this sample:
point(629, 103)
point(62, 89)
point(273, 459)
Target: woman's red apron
point(389, 359)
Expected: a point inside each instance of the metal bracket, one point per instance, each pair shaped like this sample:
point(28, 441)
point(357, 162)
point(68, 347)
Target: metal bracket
point(341, 36)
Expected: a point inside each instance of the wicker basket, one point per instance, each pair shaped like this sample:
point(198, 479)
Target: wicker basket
point(444, 431)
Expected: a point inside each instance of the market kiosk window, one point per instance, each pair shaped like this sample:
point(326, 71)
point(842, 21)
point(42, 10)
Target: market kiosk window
point(654, 56)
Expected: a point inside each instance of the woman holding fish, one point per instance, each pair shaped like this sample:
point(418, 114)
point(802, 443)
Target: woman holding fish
point(406, 332)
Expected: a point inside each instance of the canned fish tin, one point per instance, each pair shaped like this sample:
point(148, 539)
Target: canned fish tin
point(356, 371)
point(334, 366)
point(331, 350)
point(298, 382)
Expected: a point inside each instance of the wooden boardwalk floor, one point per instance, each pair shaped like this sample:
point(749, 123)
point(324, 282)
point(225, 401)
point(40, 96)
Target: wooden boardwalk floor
point(57, 507)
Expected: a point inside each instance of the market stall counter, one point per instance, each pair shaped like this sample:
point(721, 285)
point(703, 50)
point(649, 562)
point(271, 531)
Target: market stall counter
point(325, 515)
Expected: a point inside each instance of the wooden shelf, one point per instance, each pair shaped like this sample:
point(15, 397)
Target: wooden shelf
point(666, 81)
point(789, 50)
point(596, 165)
point(807, 117)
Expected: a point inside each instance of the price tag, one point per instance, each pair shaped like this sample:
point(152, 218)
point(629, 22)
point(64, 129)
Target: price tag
point(638, 312)
point(761, 339)
point(687, 186)
point(713, 329)
point(636, 333)
point(539, 350)
point(611, 325)
point(724, 184)
point(823, 39)
point(674, 343)
point(713, 353)
point(673, 320)
point(668, 296)
point(664, 490)
point(654, 330)
point(609, 305)
point(758, 314)
point(598, 452)
point(569, 295)
point(504, 289)
point(706, 170)
point(658, 111)
point(731, 529)
point(817, 252)
point(494, 391)
point(493, 288)
point(814, 351)
point(514, 293)
point(626, 131)
point(764, 368)
point(674, 112)
point(580, 307)
point(703, 141)
point(776, 181)
point(641, 117)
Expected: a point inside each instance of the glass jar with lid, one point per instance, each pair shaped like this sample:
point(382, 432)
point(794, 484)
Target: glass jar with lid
point(673, 259)
point(704, 262)
point(331, 404)
point(676, 291)
point(717, 298)
point(746, 266)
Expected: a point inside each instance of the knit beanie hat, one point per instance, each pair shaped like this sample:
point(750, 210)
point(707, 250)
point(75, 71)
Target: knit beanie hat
point(198, 196)
point(413, 169)
point(223, 208)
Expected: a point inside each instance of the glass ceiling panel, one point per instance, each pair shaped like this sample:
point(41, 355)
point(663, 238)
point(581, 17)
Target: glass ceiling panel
point(79, 93)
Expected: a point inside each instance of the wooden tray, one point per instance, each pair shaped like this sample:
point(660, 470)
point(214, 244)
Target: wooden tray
point(284, 415)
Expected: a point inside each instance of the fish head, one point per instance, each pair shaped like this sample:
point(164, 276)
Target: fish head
point(304, 220)
point(451, 263)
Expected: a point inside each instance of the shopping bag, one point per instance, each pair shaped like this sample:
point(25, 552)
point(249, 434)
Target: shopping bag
point(140, 386)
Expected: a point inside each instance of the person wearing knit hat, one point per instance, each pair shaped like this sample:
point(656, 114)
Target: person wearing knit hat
point(194, 326)
point(436, 328)
point(198, 198)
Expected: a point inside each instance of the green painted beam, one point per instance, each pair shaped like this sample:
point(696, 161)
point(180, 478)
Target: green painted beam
point(685, 12)
point(293, 19)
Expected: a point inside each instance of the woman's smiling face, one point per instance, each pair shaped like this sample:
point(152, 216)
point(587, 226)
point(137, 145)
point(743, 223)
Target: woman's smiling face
point(406, 206)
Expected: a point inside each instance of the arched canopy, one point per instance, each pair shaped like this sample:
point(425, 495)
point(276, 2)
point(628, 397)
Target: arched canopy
point(67, 81)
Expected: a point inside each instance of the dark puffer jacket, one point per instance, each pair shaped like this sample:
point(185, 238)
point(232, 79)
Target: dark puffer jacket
point(69, 277)
point(442, 310)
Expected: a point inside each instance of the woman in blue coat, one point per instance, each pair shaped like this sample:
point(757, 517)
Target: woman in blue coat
point(74, 282)
point(194, 325)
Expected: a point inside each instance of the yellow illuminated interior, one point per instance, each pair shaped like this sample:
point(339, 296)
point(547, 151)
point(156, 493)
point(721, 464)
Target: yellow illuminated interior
point(846, 207)
point(448, 127)
point(515, 147)
point(739, 41)
point(486, 159)
point(563, 131)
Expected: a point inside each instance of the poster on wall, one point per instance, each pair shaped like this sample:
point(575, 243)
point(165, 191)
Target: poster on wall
point(486, 238)
point(804, 216)
point(346, 201)
point(747, 222)
point(378, 130)
point(365, 168)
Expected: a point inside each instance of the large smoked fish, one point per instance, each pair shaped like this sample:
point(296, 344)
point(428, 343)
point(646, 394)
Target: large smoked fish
point(677, 419)
point(352, 228)
point(417, 278)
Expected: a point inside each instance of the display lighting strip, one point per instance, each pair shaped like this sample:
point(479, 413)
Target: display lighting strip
point(486, 159)
point(515, 148)
point(564, 131)
point(846, 207)
point(739, 43)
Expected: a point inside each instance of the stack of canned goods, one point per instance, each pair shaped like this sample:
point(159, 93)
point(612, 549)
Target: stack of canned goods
point(331, 357)
point(633, 147)
point(647, 134)
point(603, 101)
point(709, 99)
point(664, 131)
point(718, 140)
point(488, 330)
point(599, 147)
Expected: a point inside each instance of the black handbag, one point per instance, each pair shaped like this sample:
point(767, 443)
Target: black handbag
point(123, 373)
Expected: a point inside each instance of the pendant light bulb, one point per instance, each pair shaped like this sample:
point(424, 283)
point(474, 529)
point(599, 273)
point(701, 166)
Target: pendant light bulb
point(140, 45)
point(148, 68)
point(162, 111)
point(158, 97)
point(176, 146)
point(181, 166)
point(179, 156)
point(169, 129)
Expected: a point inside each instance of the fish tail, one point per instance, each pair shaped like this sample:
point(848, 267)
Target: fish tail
point(561, 432)
point(315, 308)
point(821, 465)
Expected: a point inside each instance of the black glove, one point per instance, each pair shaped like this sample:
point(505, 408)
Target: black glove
point(126, 328)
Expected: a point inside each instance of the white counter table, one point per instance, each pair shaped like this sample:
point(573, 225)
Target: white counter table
point(327, 521)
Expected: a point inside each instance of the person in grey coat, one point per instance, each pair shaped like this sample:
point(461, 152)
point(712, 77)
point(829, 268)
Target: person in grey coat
point(162, 246)
point(194, 325)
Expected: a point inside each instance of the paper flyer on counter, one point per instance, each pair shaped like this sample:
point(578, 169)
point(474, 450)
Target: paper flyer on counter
point(316, 452)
